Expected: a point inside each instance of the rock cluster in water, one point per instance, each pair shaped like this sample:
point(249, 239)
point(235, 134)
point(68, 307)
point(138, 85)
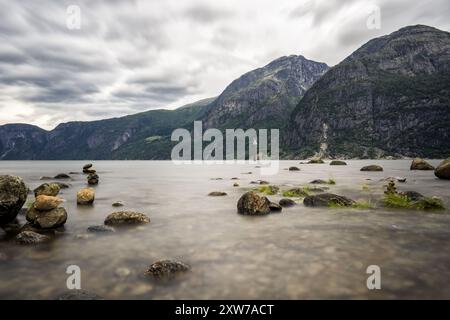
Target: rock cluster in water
point(45, 213)
point(92, 177)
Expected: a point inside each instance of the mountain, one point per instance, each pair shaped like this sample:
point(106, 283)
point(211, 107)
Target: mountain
point(140, 136)
point(264, 98)
point(390, 97)
point(260, 98)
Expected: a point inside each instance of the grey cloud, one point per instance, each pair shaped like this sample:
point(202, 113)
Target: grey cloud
point(131, 56)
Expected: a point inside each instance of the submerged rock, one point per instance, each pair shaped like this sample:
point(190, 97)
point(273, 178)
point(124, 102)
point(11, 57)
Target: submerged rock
point(338, 163)
point(79, 295)
point(294, 169)
point(275, 207)
point(118, 204)
point(46, 203)
point(287, 202)
point(252, 204)
point(47, 220)
point(327, 199)
point(30, 237)
point(319, 181)
point(13, 194)
point(217, 194)
point(61, 176)
point(412, 195)
point(101, 228)
point(372, 167)
point(443, 170)
point(126, 217)
point(420, 164)
point(62, 185)
point(167, 269)
point(235, 184)
point(316, 161)
point(47, 189)
point(85, 196)
point(295, 192)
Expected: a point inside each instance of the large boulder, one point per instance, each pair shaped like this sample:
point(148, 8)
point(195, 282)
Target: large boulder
point(443, 170)
point(47, 189)
point(167, 269)
point(126, 217)
point(326, 200)
point(48, 219)
point(13, 194)
point(46, 203)
point(420, 164)
point(372, 167)
point(252, 204)
point(85, 196)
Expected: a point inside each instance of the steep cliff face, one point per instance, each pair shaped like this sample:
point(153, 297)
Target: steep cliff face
point(390, 97)
point(264, 98)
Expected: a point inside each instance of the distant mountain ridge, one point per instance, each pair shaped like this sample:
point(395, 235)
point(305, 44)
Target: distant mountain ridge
point(263, 98)
point(391, 97)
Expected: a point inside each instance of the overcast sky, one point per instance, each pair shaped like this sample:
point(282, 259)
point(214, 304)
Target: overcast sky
point(132, 56)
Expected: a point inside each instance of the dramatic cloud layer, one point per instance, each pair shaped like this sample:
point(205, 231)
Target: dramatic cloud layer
point(131, 56)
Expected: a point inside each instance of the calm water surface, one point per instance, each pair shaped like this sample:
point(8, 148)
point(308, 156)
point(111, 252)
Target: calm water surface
point(300, 253)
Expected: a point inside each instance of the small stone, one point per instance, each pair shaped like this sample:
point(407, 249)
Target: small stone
point(287, 202)
point(126, 218)
point(62, 185)
point(61, 176)
point(275, 207)
point(217, 194)
point(101, 229)
point(235, 184)
point(338, 163)
point(413, 195)
point(118, 204)
point(86, 196)
point(93, 179)
point(87, 166)
point(327, 199)
point(318, 181)
point(294, 169)
point(372, 167)
point(316, 161)
point(30, 237)
point(167, 269)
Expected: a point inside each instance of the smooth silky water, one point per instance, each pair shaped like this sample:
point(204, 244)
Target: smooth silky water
point(299, 253)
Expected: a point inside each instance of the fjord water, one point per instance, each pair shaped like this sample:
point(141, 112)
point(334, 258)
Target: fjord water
point(299, 253)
